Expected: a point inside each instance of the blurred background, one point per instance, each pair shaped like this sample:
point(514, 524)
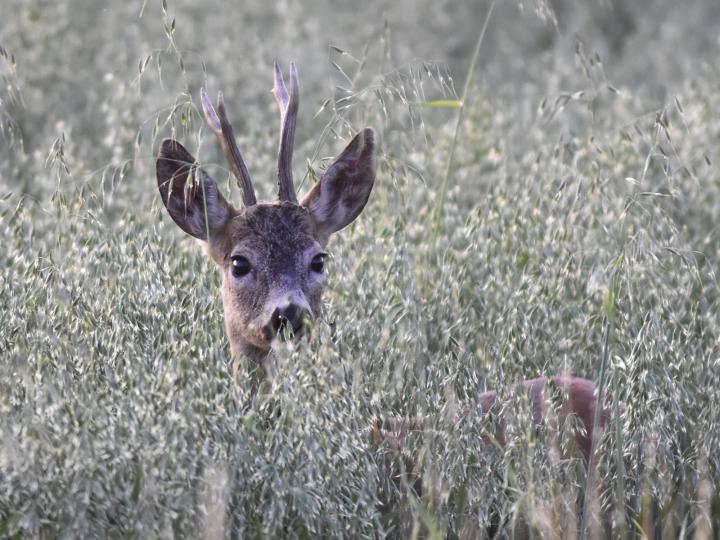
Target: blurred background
point(99, 72)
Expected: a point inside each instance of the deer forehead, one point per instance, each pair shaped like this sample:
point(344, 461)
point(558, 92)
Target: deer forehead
point(275, 235)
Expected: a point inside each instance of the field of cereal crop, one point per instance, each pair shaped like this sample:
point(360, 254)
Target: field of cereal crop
point(545, 204)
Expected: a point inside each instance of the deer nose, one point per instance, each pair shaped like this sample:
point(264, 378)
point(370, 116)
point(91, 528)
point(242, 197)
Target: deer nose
point(285, 318)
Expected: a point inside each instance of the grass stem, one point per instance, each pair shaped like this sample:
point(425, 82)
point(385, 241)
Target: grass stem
point(440, 208)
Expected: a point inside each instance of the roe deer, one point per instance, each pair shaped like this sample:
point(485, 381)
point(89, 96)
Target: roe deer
point(271, 254)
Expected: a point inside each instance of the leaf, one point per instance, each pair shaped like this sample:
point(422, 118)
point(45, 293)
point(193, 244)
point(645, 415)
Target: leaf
point(609, 304)
point(442, 103)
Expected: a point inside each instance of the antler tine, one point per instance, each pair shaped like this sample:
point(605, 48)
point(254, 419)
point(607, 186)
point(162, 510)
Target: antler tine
point(288, 116)
point(279, 89)
point(220, 125)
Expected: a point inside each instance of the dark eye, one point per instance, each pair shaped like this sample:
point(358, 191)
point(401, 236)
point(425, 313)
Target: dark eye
point(318, 263)
point(240, 266)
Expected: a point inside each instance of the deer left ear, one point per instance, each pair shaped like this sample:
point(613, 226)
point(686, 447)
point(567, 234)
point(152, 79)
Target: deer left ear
point(342, 192)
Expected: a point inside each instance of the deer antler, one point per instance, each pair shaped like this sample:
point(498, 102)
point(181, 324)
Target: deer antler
point(220, 125)
point(288, 116)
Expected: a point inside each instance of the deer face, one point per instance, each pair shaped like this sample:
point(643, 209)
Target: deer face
point(273, 272)
point(271, 255)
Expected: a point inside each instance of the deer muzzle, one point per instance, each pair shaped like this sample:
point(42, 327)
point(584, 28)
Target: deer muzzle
point(288, 320)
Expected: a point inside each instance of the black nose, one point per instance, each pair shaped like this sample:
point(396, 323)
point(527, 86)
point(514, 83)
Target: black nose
point(283, 319)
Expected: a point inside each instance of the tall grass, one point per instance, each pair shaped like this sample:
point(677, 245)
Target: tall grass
point(582, 198)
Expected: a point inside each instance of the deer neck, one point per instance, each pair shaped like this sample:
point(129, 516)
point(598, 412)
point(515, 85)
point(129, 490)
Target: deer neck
point(243, 351)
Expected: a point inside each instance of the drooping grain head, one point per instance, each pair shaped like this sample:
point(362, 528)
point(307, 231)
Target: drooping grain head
point(270, 254)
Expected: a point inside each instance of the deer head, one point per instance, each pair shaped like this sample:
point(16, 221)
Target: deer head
point(271, 255)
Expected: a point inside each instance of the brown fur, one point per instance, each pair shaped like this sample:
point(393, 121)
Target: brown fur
point(576, 397)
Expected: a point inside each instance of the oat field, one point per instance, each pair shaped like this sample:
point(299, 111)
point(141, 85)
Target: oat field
point(547, 202)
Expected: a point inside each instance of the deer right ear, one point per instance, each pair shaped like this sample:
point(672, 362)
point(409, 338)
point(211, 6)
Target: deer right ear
point(342, 192)
point(191, 197)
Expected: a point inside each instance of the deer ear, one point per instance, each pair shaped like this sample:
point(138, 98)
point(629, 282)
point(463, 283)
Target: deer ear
point(340, 195)
point(191, 197)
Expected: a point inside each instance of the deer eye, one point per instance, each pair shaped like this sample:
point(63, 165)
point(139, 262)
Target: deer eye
point(318, 263)
point(240, 266)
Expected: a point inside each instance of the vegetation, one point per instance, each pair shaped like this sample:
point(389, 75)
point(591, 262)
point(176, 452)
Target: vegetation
point(574, 227)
